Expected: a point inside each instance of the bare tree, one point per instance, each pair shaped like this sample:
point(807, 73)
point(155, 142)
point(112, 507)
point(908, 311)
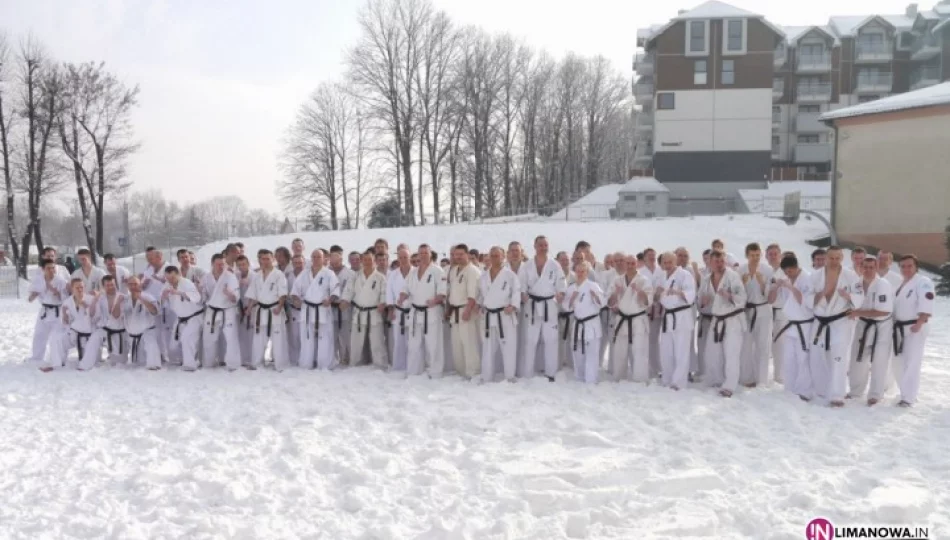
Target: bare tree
point(515, 58)
point(96, 124)
point(536, 87)
point(6, 125)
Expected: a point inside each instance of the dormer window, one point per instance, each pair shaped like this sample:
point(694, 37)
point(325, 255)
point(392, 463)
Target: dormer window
point(734, 38)
point(697, 38)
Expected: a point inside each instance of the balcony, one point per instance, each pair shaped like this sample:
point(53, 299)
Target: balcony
point(777, 118)
point(873, 82)
point(643, 91)
point(814, 93)
point(813, 63)
point(923, 77)
point(643, 63)
point(878, 51)
point(778, 89)
point(645, 121)
point(812, 152)
point(807, 122)
point(780, 56)
point(925, 47)
point(776, 151)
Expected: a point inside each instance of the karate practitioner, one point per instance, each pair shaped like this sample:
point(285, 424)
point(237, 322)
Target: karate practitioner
point(184, 299)
point(78, 316)
point(365, 298)
point(682, 260)
point(463, 286)
point(818, 258)
point(773, 257)
point(676, 293)
point(500, 291)
point(314, 293)
point(266, 295)
point(61, 271)
point(794, 293)
point(187, 267)
point(399, 310)
point(565, 354)
point(631, 297)
point(51, 290)
point(140, 310)
point(344, 322)
point(110, 328)
point(913, 307)
point(242, 271)
point(516, 258)
point(757, 343)
point(297, 268)
point(425, 292)
point(583, 299)
point(544, 286)
point(153, 283)
point(90, 275)
point(653, 272)
point(884, 261)
point(838, 291)
point(871, 349)
point(221, 291)
point(120, 274)
point(724, 295)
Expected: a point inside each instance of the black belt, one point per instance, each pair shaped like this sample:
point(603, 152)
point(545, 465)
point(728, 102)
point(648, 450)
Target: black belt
point(112, 332)
point(339, 314)
point(755, 313)
point(673, 312)
point(566, 315)
point(719, 324)
point(868, 323)
point(798, 326)
point(359, 321)
point(214, 315)
point(824, 323)
point(81, 339)
point(270, 317)
point(702, 316)
point(624, 318)
point(47, 307)
point(535, 300)
point(316, 322)
point(454, 310)
point(898, 335)
point(136, 339)
point(497, 312)
point(402, 318)
point(579, 325)
point(425, 320)
point(186, 319)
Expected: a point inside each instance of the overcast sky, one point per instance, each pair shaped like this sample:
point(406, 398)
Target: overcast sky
point(221, 80)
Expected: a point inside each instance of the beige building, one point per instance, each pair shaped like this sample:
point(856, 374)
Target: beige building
point(891, 181)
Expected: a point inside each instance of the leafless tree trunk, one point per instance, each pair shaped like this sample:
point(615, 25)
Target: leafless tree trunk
point(515, 59)
point(6, 125)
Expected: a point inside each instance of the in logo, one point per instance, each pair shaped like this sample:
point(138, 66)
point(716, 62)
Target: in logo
point(819, 529)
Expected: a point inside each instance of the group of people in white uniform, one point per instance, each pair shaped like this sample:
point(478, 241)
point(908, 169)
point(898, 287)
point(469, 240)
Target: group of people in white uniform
point(832, 332)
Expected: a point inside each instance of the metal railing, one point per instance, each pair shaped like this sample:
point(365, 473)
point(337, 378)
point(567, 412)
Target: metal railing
point(814, 92)
point(876, 50)
point(874, 80)
point(924, 47)
point(924, 76)
point(814, 62)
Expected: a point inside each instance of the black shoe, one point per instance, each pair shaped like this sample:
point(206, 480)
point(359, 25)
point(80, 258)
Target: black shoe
point(550, 379)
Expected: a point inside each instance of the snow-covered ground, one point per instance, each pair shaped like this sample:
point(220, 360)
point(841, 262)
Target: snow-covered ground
point(119, 453)
point(816, 196)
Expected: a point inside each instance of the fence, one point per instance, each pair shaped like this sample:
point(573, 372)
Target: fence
point(9, 283)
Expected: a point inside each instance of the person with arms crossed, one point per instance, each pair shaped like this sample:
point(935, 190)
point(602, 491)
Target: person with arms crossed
point(913, 307)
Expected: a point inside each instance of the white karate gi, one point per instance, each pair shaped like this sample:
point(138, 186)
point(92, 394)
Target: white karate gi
point(795, 335)
point(365, 294)
point(268, 327)
point(656, 318)
point(501, 335)
point(631, 333)
point(587, 329)
point(142, 330)
point(342, 318)
point(833, 334)
point(757, 341)
point(121, 277)
point(565, 319)
point(186, 334)
point(726, 329)
point(779, 320)
point(605, 278)
point(871, 349)
point(915, 296)
point(541, 316)
point(463, 285)
point(48, 328)
point(399, 327)
point(110, 330)
point(317, 325)
point(703, 328)
point(220, 339)
point(153, 283)
point(245, 322)
point(676, 326)
point(92, 281)
point(80, 324)
point(294, 315)
point(425, 335)
point(520, 329)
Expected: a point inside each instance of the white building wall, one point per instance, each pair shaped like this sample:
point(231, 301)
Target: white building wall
point(716, 120)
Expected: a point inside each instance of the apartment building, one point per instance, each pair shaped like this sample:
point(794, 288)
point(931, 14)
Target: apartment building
point(699, 79)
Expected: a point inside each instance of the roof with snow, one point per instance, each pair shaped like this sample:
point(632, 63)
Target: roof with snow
point(848, 25)
point(714, 9)
point(941, 24)
point(925, 97)
point(644, 184)
point(794, 33)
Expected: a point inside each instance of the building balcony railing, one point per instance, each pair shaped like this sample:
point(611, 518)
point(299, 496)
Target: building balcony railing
point(776, 118)
point(645, 122)
point(874, 82)
point(814, 92)
point(807, 122)
point(643, 92)
point(778, 89)
point(925, 47)
point(643, 63)
point(813, 63)
point(812, 152)
point(924, 76)
point(878, 51)
point(780, 56)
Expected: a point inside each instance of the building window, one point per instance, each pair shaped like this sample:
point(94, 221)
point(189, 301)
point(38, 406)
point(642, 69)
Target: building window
point(697, 37)
point(665, 101)
point(650, 214)
point(808, 139)
point(809, 108)
point(630, 198)
point(728, 72)
point(734, 36)
point(776, 141)
point(699, 72)
point(651, 198)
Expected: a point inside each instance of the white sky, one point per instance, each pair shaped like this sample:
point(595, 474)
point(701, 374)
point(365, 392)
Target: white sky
point(221, 80)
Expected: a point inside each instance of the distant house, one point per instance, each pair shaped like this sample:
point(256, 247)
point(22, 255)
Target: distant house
point(287, 227)
point(642, 198)
point(890, 188)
